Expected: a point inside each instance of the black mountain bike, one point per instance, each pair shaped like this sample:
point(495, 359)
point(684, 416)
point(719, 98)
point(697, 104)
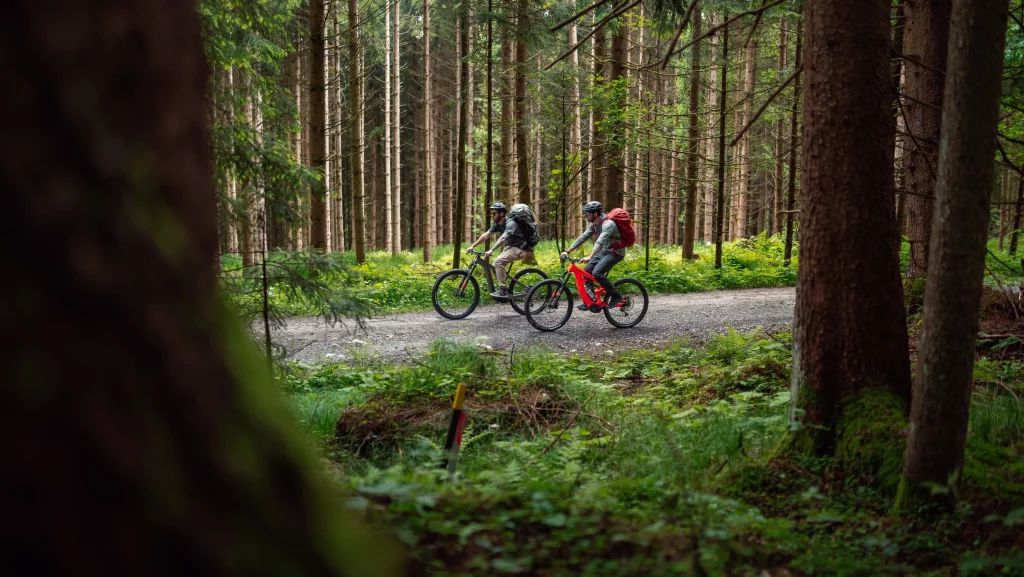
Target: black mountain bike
point(456, 293)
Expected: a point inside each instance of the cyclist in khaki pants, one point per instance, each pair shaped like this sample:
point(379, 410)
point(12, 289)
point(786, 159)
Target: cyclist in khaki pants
point(514, 239)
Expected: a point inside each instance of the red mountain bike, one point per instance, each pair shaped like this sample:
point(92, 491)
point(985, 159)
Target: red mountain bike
point(549, 303)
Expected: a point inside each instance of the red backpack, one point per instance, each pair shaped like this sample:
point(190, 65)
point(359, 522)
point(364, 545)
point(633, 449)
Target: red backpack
point(621, 219)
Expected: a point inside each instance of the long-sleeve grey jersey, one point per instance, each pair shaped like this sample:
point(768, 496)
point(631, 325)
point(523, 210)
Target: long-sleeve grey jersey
point(609, 235)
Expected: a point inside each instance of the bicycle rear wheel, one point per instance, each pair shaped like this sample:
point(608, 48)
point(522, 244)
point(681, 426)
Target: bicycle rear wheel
point(633, 306)
point(455, 294)
point(520, 286)
point(549, 305)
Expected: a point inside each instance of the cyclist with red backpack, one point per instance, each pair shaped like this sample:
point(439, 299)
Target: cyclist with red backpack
point(612, 233)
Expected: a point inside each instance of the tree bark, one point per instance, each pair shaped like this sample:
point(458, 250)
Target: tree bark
point(522, 158)
point(317, 127)
point(389, 236)
point(690, 209)
point(355, 117)
point(460, 192)
point(710, 147)
point(136, 467)
point(1018, 205)
point(780, 140)
point(944, 376)
point(793, 141)
point(396, 130)
point(598, 156)
point(576, 132)
point(429, 197)
point(925, 38)
point(614, 182)
point(742, 199)
point(720, 210)
point(507, 157)
point(851, 375)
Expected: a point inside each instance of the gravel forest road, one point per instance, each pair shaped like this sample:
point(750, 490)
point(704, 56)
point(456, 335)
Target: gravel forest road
point(670, 318)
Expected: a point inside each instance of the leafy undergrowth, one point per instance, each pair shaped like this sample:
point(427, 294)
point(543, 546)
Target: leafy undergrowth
point(389, 283)
point(652, 463)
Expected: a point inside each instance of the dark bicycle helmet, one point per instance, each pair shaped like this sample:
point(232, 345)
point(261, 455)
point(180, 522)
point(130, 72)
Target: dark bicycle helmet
point(498, 206)
point(593, 206)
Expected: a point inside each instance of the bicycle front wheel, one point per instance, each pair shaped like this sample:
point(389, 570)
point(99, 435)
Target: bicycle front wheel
point(455, 294)
point(520, 286)
point(633, 306)
point(549, 305)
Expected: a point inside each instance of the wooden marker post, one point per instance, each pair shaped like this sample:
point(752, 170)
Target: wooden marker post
point(454, 438)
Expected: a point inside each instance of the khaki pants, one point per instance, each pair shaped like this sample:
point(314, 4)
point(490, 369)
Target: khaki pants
point(505, 259)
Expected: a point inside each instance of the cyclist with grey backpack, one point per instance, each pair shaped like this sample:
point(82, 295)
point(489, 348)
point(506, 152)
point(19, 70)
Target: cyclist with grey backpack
point(519, 235)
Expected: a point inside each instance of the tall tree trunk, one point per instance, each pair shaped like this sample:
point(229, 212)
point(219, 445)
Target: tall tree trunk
point(539, 133)
point(489, 192)
point(468, 164)
point(338, 124)
point(926, 38)
point(899, 27)
point(505, 179)
point(522, 158)
point(317, 127)
point(748, 99)
point(720, 210)
point(794, 137)
point(355, 117)
point(302, 136)
point(710, 146)
point(780, 141)
point(575, 191)
point(147, 447)
point(850, 388)
point(944, 376)
point(244, 190)
point(1017, 206)
point(460, 191)
point(598, 140)
point(693, 137)
point(614, 182)
point(396, 130)
point(429, 197)
point(389, 233)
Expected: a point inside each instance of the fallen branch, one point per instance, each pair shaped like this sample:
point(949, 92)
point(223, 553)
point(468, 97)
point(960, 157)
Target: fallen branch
point(1005, 292)
point(560, 433)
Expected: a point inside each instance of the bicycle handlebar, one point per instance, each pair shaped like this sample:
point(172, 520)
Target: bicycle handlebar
point(570, 259)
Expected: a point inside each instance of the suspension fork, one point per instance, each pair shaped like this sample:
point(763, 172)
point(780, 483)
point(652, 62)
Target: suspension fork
point(465, 280)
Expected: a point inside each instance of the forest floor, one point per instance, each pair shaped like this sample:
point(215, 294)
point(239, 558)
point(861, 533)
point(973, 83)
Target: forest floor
point(670, 318)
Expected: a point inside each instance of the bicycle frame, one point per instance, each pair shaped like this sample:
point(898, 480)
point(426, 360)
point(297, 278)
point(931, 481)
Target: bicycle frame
point(488, 272)
point(582, 277)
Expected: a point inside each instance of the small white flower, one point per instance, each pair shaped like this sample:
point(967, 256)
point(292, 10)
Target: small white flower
point(494, 426)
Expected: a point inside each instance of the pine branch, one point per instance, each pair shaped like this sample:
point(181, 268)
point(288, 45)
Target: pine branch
point(597, 27)
point(711, 32)
point(679, 32)
point(577, 16)
point(765, 105)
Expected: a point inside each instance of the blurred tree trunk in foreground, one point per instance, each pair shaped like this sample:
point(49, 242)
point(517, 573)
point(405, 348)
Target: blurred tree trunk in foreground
point(140, 436)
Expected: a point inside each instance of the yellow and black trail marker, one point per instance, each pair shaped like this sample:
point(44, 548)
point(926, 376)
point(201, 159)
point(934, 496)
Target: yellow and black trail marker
point(455, 427)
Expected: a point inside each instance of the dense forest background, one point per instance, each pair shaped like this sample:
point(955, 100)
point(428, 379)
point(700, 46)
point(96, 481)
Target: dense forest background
point(193, 163)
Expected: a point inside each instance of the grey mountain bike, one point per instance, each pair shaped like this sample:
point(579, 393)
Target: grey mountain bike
point(456, 293)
